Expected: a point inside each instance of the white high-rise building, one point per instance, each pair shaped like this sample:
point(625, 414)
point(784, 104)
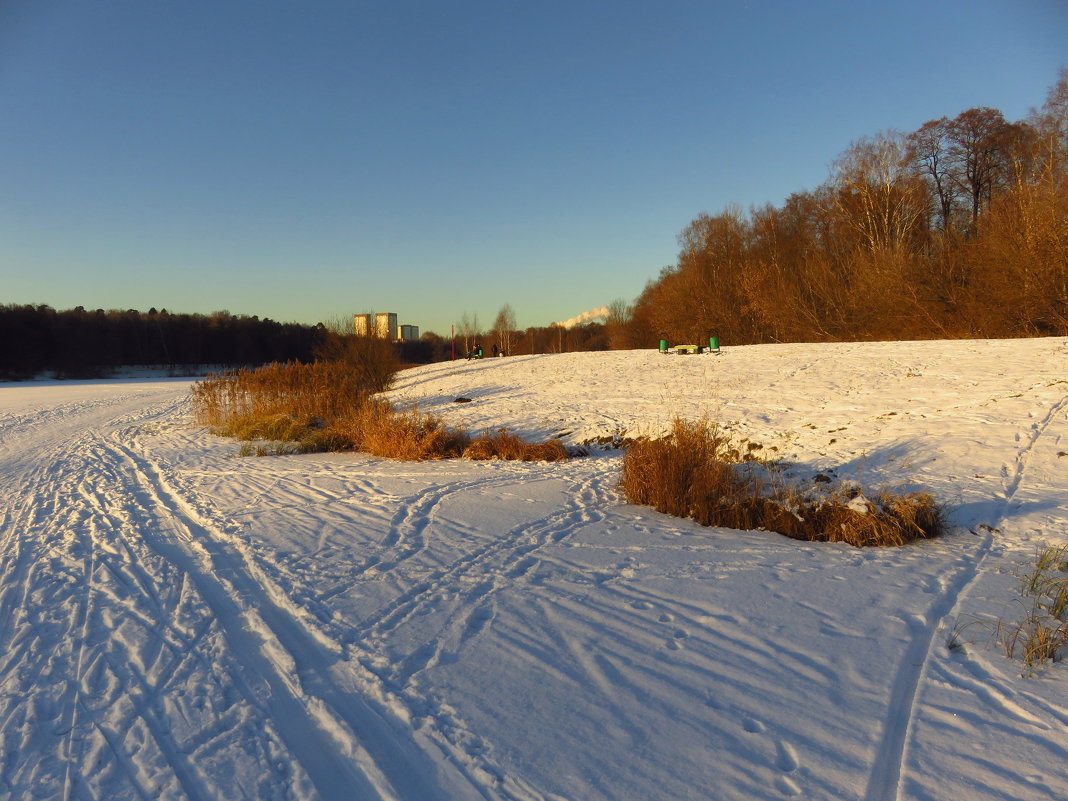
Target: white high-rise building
point(361, 325)
point(383, 324)
point(386, 326)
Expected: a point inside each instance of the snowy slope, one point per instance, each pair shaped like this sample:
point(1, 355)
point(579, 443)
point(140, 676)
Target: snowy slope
point(178, 622)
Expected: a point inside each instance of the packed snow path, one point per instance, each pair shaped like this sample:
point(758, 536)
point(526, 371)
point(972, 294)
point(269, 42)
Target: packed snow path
point(177, 622)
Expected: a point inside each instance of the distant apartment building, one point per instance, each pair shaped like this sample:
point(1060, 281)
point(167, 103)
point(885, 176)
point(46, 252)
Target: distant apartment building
point(383, 325)
point(386, 325)
point(362, 325)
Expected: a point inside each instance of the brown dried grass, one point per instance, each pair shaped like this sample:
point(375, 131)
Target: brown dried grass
point(698, 472)
point(888, 519)
point(410, 435)
point(505, 446)
point(278, 401)
point(327, 406)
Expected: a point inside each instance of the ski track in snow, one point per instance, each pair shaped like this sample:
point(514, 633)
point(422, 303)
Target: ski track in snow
point(885, 782)
point(83, 566)
point(106, 542)
point(177, 623)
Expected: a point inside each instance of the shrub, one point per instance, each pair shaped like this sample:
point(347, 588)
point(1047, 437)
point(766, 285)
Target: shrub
point(503, 445)
point(698, 472)
point(380, 430)
point(328, 406)
point(371, 360)
point(278, 401)
point(888, 519)
point(689, 473)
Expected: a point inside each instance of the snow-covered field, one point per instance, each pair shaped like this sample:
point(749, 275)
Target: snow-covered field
point(178, 622)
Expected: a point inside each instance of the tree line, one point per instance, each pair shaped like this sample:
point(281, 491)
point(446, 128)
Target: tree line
point(81, 343)
point(505, 338)
point(78, 343)
point(958, 229)
point(433, 347)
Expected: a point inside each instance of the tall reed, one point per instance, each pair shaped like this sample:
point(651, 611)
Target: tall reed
point(278, 401)
point(330, 405)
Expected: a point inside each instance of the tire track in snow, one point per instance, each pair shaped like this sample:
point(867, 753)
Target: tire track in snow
point(45, 639)
point(169, 654)
point(891, 755)
point(498, 565)
point(74, 704)
point(516, 549)
point(1023, 457)
point(110, 675)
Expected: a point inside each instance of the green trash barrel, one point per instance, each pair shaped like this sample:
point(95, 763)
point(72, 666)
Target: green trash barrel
point(713, 343)
point(663, 346)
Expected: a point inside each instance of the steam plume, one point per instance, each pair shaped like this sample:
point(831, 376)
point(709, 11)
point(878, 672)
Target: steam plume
point(585, 317)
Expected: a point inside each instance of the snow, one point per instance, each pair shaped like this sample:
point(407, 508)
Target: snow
point(179, 622)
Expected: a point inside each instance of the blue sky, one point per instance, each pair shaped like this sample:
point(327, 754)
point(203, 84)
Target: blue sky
point(304, 161)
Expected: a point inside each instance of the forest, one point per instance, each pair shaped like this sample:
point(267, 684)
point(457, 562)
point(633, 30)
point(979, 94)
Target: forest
point(958, 229)
point(77, 343)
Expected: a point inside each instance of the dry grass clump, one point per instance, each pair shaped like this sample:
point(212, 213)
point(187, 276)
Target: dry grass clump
point(328, 406)
point(503, 445)
point(691, 473)
point(698, 472)
point(408, 434)
point(380, 430)
point(886, 519)
point(279, 401)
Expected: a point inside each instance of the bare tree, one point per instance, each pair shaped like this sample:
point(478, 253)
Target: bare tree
point(616, 324)
point(468, 329)
point(929, 149)
point(503, 328)
point(1051, 128)
point(703, 292)
point(979, 140)
point(879, 192)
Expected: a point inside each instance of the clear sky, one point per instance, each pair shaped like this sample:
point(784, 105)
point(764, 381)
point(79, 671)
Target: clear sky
point(307, 160)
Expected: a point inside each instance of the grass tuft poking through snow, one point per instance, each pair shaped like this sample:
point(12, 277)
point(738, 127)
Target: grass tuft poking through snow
point(1043, 631)
point(698, 471)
